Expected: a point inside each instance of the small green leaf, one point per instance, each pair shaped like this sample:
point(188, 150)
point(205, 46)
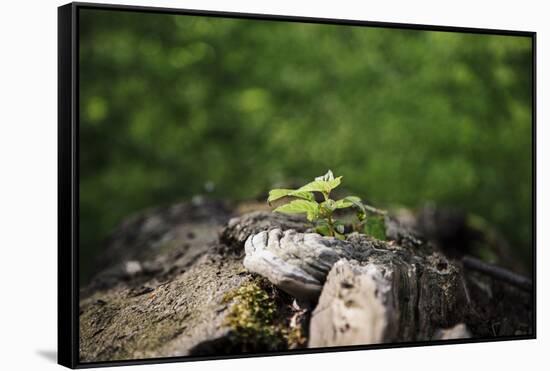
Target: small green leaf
point(328, 205)
point(353, 199)
point(310, 208)
point(342, 204)
point(361, 215)
point(278, 193)
point(327, 177)
point(347, 202)
point(315, 186)
point(355, 202)
point(331, 184)
point(340, 227)
point(339, 236)
point(304, 195)
point(324, 186)
point(323, 230)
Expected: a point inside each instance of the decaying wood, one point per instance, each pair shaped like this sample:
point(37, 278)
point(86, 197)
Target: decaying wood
point(459, 331)
point(298, 263)
point(159, 318)
point(497, 272)
point(177, 281)
point(390, 297)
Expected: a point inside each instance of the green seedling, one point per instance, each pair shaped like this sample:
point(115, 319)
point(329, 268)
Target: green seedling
point(302, 201)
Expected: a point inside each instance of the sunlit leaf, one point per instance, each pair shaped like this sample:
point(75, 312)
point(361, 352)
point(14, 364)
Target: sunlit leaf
point(323, 230)
point(278, 193)
point(324, 186)
point(329, 205)
point(310, 208)
point(348, 202)
point(327, 177)
point(355, 202)
point(339, 236)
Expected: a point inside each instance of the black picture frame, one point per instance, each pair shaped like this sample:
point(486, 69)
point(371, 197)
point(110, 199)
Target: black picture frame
point(68, 175)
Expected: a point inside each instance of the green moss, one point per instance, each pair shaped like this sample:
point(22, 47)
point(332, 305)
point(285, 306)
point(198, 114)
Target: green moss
point(295, 337)
point(256, 322)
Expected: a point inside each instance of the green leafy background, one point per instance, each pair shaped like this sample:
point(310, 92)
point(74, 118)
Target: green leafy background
point(173, 105)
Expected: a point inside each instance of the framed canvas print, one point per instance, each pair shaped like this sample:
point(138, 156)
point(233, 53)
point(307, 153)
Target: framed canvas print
point(235, 185)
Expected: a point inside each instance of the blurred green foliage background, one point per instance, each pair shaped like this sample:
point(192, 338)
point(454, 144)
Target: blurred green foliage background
point(172, 104)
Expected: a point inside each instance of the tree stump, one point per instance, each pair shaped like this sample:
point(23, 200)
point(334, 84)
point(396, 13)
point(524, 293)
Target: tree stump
point(203, 283)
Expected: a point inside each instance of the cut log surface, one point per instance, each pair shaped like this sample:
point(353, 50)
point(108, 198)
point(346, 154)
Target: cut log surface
point(195, 279)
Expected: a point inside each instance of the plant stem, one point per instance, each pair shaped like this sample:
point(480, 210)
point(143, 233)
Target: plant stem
point(330, 224)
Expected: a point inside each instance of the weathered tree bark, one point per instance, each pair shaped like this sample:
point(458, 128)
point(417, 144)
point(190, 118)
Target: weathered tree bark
point(388, 299)
point(180, 281)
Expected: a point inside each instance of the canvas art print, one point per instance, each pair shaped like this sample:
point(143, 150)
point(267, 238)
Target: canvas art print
point(235, 185)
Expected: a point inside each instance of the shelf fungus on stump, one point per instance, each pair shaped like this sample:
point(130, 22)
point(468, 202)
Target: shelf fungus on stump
point(366, 291)
point(298, 263)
